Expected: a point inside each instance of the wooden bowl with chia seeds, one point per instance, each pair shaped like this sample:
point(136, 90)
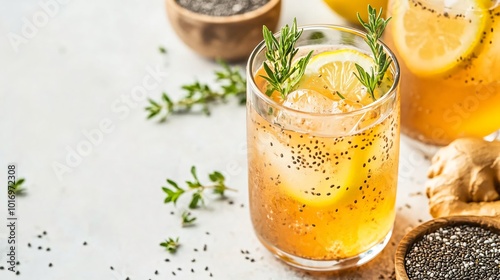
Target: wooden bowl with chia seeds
point(456, 247)
point(229, 30)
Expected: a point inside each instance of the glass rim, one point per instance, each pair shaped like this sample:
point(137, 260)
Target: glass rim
point(389, 93)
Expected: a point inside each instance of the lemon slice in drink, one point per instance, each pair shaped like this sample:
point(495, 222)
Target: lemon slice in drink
point(333, 71)
point(435, 39)
point(337, 177)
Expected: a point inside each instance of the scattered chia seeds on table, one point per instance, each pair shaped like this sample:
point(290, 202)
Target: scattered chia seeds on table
point(455, 252)
point(222, 8)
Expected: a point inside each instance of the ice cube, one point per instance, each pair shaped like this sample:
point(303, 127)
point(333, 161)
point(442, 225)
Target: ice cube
point(311, 101)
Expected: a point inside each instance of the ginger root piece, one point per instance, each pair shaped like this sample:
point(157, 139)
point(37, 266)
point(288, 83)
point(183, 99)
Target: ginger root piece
point(465, 179)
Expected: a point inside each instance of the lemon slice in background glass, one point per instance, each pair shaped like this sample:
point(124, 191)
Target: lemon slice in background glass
point(434, 40)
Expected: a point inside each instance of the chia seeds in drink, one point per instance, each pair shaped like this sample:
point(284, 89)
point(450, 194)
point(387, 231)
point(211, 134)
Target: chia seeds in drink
point(455, 252)
point(222, 8)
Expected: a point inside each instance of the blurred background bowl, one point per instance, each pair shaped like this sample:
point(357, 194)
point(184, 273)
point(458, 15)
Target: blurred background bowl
point(230, 38)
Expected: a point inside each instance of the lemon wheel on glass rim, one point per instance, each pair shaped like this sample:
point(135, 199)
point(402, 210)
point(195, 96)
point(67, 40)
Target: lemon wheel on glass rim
point(333, 71)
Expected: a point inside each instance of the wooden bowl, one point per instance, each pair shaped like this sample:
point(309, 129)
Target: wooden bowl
point(231, 38)
point(491, 223)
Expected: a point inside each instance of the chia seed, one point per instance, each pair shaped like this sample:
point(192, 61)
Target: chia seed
point(455, 252)
point(222, 8)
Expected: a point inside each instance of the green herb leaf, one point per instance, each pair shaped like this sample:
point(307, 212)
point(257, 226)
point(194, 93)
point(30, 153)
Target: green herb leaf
point(196, 199)
point(171, 244)
point(17, 187)
point(216, 176)
point(340, 95)
point(374, 28)
point(193, 172)
point(187, 219)
point(218, 179)
point(174, 193)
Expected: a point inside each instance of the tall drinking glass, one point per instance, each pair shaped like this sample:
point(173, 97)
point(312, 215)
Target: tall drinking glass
point(449, 53)
point(322, 178)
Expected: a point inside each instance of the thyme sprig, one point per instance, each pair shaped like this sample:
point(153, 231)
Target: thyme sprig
point(280, 52)
point(374, 28)
point(174, 192)
point(171, 244)
point(230, 81)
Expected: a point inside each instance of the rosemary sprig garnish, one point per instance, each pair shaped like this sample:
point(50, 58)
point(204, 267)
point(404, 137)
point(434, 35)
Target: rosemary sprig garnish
point(171, 244)
point(187, 219)
point(374, 28)
point(280, 73)
point(231, 83)
point(175, 192)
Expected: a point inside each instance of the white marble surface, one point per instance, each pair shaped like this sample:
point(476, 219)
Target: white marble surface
point(78, 70)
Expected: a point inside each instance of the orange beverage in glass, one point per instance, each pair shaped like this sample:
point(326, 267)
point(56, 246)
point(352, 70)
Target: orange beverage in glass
point(323, 170)
point(450, 63)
